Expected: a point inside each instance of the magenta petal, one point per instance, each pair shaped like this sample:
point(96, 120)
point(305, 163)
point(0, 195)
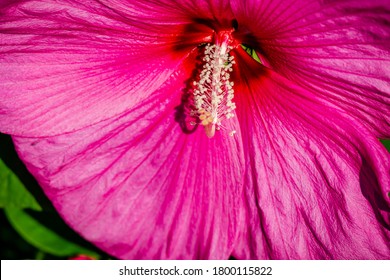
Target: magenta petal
point(318, 180)
point(139, 188)
point(65, 65)
point(338, 49)
point(91, 94)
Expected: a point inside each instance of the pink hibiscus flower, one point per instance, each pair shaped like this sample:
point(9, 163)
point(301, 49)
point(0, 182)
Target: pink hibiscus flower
point(156, 135)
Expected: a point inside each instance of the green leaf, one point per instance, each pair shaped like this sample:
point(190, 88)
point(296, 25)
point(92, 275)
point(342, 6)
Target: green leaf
point(13, 193)
point(386, 143)
point(42, 237)
point(252, 53)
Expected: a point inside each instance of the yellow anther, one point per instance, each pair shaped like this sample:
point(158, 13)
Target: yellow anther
point(202, 117)
point(205, 122)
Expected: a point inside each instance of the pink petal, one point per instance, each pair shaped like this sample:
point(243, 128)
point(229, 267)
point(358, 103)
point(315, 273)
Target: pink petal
point(82, 257)
point(66, 65)
point(338, 49)
point(318, 181)
point(105, 77)
point(138, 187)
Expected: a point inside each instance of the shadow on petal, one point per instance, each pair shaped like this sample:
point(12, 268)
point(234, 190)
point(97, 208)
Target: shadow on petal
point(373, 195)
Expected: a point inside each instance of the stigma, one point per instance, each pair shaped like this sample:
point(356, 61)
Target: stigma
point(214, 93)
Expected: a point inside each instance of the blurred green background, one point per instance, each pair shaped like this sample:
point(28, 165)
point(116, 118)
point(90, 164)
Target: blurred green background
point(30, 226)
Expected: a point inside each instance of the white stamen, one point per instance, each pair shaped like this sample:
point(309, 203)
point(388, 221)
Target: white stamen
point(214, 92)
